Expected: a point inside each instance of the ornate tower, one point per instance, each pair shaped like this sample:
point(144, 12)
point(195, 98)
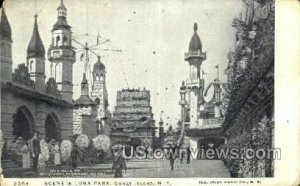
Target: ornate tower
point(5, 48)
point(36, 59)
point(99, 92)
point(161, 131)
point(61, 54)
point(195, 84)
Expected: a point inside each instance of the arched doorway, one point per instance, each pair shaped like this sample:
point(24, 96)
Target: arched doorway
point(52, 128)
point(23, 123)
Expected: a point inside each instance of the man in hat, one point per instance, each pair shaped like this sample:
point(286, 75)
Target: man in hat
point(36, 149)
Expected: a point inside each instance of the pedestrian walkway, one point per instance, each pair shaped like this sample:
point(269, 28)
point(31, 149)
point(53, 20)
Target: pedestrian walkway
point(160, 168)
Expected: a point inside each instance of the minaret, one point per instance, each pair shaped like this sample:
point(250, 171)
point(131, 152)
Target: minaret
point(161, 131)
point(195, 84)
point(99, 92)
point(5, 48)
point(36, 59)
point(61, 54)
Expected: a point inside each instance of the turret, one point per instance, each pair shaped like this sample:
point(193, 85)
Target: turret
point(84, 99)
point(36, 59)
point(84, 86)
point(5, 48)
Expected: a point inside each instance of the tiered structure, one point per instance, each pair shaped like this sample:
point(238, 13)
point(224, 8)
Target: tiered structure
point(132, 121)
point(198, 114)
point(249, 121)
point(61, 54)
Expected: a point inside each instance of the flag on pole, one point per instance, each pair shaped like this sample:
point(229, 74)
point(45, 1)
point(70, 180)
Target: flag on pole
point(217, 66)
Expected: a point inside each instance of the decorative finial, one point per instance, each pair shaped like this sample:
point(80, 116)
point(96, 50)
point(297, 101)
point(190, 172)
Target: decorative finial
point(195, 27)
point(35, 20)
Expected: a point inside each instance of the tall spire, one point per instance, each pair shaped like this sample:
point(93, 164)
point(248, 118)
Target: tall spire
point(84, 98)
point(5, 30)
point(84, 86)
point(35, 47)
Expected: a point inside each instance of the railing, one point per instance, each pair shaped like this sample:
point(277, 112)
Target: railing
point(209, 123)
point(194, 82)
point(195, 54)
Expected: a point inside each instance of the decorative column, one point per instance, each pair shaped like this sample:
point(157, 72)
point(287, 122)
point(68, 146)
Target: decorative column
point(182, 103)
point(1, 146)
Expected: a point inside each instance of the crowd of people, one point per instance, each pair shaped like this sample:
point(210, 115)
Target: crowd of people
point(32, 148)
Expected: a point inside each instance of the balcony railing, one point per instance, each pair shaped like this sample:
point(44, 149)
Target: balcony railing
point(197, 54)
point(209, 123)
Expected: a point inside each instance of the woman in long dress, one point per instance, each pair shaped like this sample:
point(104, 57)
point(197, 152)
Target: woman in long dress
point(25, 156)
point(44, 157)
point(57, 154)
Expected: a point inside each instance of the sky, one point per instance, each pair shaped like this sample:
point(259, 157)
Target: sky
point(153, 36)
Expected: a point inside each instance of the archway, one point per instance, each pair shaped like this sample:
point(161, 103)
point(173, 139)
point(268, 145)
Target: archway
point(23, 123)
point(52, 128)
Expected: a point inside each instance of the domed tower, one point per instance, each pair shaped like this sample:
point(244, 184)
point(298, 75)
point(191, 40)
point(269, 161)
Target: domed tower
point(99, 92)
point(61, 54)
point(5, 48)
point(195, 84)
point(36, 59)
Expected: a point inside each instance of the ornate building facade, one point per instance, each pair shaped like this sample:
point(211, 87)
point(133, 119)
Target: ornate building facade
point(132, 121)
point(28, 103)
point(32, 102)
point(249, 121)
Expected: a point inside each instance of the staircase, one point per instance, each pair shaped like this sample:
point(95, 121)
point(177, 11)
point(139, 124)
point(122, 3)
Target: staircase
point(9, 164)
point(12, 169)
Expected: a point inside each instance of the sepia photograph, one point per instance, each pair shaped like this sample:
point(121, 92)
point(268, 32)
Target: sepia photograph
point(137, 89)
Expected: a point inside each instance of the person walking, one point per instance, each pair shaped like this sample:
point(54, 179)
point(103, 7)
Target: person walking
point(188, 155)
point(119, 164)
point(172, 156)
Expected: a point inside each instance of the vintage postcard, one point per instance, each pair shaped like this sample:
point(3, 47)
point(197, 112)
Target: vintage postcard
point(111, 92)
